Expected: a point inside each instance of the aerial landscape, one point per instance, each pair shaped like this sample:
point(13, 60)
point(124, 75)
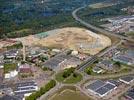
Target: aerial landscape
point(66, 49)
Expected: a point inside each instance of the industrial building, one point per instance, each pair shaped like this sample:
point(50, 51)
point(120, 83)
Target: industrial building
point(114, 82)
point(11, 74)
point(5, 89)
point(124, 59)
point(11, 54)
point(121, 24)
point(130, 94)
point(9, 97)
point(61, 62)
point(23, 89)
point(106, 64)
point(127, 79)
point(101, 88)
point(97, 69)
point(55, 62)
point(130, 54)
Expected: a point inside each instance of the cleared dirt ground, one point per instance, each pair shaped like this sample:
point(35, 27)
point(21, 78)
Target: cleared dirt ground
point(69, 95)
point(73, 38)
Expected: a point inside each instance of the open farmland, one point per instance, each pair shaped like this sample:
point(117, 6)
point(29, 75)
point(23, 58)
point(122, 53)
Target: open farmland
point(72, 38)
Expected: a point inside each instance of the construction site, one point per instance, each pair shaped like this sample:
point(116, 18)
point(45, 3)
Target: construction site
point(73, 38)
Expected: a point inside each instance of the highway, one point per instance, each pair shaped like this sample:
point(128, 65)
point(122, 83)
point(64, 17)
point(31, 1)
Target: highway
point(90, 60)
point(74, 14)
point(87, 63)
point(95, 57)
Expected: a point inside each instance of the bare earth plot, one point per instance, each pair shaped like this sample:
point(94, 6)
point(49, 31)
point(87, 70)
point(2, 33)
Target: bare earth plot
point(73, 38)
point(69, 95)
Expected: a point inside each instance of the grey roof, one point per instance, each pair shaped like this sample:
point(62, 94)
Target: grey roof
point(26, 88)
point(96, 85)
point(20, 96)
point(54, 62)
point(13, 51)
point(24, 92)
point(127, 78)
point(1, 56)
point(23, 84)
point(3, 86)
point(102, 90)
point(130, 93)
point(130, 53)
point(1, 64)
point(114, 82)
point(106, 62)
point(121, 17)
point(8, 97)
point(101, 87)
point(1, 79)
point(96, 68)
point(123, 58)
point(109, 86)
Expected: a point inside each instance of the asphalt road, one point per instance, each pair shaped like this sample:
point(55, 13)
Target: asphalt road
point(90, 60)
point(94, 58)
point(88, 25)
point(87, 63)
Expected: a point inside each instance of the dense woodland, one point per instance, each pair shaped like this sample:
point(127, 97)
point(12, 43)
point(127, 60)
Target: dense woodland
point(24, 17)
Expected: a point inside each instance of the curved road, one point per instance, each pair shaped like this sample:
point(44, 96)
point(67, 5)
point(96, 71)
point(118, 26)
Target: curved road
point(92, 59)
point(74, 13)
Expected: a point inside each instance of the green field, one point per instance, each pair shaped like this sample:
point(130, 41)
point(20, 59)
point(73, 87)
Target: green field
point(131, 34)
point(9, 67)
point(71, 79)
point(69, 94)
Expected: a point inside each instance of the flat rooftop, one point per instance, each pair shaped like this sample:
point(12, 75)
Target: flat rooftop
point(114, 82)
point(100, 87)
point(8, 97)
point(130, 93)
point(127, 78)
point(22, 84)
point(96, 85)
